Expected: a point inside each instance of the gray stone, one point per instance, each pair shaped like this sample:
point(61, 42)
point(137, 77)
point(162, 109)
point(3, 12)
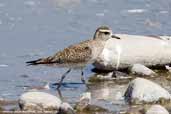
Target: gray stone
point(168, 68)
point(84, 102)
point(140, 69)
point(113, 76)
point(142, 90)
point(35, 100)
point(41, 101)
point(66, 108)
point(157, 109)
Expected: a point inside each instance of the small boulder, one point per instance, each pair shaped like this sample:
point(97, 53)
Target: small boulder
point(157, 109)
point(142, 70)
point(84, 102)
point(66, 108)
point(85, 106)
point(141, 90)
point(35, 100)
point(115, 75)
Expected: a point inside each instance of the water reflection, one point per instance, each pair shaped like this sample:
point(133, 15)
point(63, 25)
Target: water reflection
point(66, 4)
point(108, 91)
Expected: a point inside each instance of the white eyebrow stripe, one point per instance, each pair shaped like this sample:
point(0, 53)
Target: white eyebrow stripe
point(105, 30)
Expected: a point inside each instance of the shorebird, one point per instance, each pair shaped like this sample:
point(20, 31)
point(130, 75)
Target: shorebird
point(80, 54)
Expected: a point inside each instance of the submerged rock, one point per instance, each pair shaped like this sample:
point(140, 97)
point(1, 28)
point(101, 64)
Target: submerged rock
point(115, 75)
point(140, 69)
point(168, 68)
point(85, 106)
point(157, 109)
point(66, 108)
point(84, 101)
point(141, 90)
point(39, 101)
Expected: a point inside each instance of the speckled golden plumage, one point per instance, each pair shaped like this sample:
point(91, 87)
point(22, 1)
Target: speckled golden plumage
point(73, 54)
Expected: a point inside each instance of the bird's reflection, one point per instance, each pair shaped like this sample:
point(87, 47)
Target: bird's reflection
point(108, 92)
point(69, 85)
point(59, 93)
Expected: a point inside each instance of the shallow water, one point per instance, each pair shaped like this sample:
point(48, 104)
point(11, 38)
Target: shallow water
point(31, 29)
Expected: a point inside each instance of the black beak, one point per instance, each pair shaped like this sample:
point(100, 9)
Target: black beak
point(113, 36)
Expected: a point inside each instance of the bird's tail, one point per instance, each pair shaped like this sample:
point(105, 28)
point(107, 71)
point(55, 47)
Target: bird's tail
point(34, 62)
point(49, 60)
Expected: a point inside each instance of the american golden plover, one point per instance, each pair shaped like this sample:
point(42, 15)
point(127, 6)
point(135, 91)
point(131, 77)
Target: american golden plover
point(80, 54)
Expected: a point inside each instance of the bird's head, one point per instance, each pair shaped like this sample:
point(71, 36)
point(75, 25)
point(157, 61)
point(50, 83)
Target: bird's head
point(103, 33)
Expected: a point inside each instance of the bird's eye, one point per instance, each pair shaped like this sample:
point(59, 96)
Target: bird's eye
point(106, 33)
point(86, 48)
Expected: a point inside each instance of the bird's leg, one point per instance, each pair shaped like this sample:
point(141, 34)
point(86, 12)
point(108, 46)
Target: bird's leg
point(62, 78)
point(82, 77)
point(60, 94)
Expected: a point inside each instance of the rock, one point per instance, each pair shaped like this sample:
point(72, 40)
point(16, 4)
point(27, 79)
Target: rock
point(128, 50)
point(108, 76)
point(86, 96)
point(168, 68)
point(133, 110)
point(35, 100)
point(115, 75)
point(157, 109)
point(142, 70)
point(84, 106)
point(41, 101)
point(141, 90)
point(66, 108)
point(84, 102)
point(118, 96)
point(119, 75)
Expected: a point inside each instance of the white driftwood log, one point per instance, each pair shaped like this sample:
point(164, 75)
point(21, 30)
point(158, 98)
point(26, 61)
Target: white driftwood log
point(132, 49)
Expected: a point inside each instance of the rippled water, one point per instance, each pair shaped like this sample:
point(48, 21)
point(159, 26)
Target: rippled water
point(30, 29)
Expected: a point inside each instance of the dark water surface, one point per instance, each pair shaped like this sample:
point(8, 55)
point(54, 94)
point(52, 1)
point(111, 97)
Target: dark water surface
point(30, 29)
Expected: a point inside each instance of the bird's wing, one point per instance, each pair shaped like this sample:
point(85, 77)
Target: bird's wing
point(73, 54)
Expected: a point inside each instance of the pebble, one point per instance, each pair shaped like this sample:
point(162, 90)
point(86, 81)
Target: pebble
point(142, 70)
